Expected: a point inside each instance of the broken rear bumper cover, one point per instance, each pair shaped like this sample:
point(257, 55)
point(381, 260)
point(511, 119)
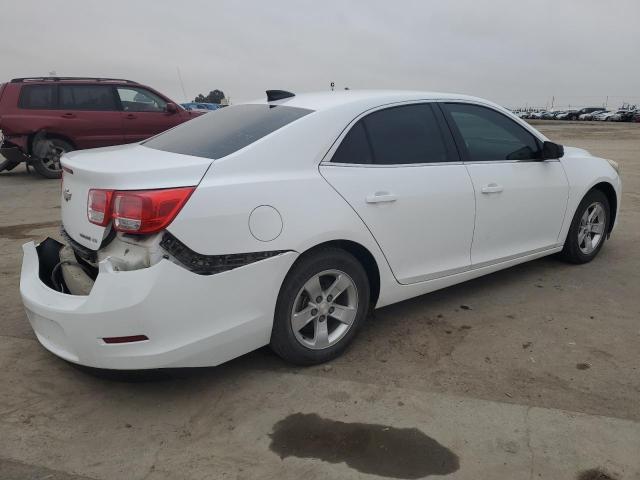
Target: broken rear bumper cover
point(189, 320)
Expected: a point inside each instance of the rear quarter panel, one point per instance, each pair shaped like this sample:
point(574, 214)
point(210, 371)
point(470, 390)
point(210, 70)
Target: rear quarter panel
point(280, 171)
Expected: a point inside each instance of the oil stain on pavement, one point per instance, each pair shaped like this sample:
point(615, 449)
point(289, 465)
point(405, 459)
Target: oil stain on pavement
point(595, 474)
point(369, 448)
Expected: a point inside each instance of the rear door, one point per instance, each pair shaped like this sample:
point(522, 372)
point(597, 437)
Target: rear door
point(144, 114)
point(520, 199)
point(89, 115)
point(398, 169)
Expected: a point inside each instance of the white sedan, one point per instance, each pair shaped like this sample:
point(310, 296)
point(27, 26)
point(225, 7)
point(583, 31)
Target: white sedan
point(282, 221)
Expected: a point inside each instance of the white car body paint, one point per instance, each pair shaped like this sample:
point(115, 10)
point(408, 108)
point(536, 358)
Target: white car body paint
point(427, 226)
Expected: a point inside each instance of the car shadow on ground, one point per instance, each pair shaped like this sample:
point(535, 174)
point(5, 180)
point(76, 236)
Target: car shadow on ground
point(394, 315)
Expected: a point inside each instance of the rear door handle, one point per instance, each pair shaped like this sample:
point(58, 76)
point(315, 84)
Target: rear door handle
point(492, 188)
point(130, 116)
point(68, 115)
point(381, 197)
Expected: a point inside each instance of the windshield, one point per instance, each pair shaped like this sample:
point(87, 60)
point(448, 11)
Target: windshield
point(225, 130)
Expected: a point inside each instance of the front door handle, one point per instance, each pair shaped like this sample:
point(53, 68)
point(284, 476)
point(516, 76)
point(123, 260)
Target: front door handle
point(68, 115)
point(381, 197)
point(492, 188)
point(130, 116)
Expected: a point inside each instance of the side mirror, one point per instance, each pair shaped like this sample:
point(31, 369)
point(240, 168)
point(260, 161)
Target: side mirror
point(172, 108)
point(552, 150)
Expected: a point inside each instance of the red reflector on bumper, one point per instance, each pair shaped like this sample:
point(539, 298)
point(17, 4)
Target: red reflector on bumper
point(129, 339)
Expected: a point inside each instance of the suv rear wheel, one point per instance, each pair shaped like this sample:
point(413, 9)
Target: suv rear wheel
point(48, 163)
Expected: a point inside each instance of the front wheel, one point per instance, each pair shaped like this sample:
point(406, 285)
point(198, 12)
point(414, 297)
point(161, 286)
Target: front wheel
point(48, 163)
point(322, 304)
point(588, 229)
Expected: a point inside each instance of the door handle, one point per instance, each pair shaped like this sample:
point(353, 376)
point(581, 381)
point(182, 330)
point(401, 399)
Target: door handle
point(381, 197)
point(492, 188)
point(130, 116)
point(68, 115)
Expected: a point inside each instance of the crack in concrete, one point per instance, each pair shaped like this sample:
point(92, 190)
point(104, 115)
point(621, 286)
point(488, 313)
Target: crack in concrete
point(527, 427)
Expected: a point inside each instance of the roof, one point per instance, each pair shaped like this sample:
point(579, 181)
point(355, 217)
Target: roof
point(70, 79)
point(331, 99)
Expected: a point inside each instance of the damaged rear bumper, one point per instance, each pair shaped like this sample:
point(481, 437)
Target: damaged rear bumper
point(189, 320)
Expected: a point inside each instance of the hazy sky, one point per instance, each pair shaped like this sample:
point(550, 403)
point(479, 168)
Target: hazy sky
point(510, 51)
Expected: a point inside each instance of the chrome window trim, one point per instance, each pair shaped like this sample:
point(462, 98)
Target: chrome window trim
point(395, 165)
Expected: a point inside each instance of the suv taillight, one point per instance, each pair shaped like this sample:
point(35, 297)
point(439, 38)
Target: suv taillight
point(141, 211)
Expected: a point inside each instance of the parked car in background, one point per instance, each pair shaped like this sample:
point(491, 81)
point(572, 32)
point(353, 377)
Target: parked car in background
point(45, 117)
point(578, 113)
point(590, 115)
point(201, 107)
point(623, 116)
point(604, 115)
point(318, 207)
point(548, 115)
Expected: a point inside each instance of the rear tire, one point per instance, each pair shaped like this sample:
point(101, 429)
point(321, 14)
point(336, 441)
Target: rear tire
point(588, 229)
point(322, 304)
point(48, 165)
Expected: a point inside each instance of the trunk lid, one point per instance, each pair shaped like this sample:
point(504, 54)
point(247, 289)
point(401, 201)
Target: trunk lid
point(126, 167)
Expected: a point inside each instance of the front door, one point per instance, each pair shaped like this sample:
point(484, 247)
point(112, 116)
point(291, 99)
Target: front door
point(520, 199)
point(398, 169)
point(144, 114)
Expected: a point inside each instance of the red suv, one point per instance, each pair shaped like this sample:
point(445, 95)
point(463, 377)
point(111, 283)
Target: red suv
point(41, 118)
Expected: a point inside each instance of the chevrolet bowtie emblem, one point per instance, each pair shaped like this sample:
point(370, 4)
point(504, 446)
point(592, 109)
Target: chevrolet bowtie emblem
point(66, 194)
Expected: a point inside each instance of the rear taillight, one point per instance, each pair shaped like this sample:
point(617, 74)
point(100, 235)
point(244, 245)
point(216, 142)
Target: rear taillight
point(139, 211)
point(99, 207)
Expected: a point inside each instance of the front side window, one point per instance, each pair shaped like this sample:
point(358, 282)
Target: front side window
point(225, 130)
point(41, 97)
point(87, 97)
point(489, 135)
point(140, 100)
point(408, 134)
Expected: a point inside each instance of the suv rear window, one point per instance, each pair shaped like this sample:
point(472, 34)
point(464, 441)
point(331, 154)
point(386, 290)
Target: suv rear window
point(42, 97)
point(226, 130)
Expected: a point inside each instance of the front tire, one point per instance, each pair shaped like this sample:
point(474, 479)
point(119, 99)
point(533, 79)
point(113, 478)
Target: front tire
point(322, 304)
point(588, 229)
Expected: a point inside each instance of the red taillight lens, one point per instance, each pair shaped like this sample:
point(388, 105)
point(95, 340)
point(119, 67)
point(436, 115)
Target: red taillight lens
point(147, 211)
point(99, 206)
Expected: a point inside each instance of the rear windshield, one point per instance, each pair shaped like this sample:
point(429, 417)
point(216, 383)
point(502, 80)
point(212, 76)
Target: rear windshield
point(225, 130)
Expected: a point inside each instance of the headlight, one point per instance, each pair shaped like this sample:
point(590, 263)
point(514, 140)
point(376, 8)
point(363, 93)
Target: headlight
point(615, 166)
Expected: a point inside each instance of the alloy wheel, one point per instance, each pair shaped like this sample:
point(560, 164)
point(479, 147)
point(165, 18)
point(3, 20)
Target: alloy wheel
point(324, 309)
point(591, 228)
point(52, 160)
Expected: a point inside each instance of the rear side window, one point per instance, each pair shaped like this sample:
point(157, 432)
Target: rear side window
point(489, 135)
point(225, 130)
point(87, 97)
point(355, 147)
point(40, 97)
point(407, 134)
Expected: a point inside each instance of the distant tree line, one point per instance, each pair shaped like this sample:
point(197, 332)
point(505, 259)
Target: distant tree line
point(215, 96)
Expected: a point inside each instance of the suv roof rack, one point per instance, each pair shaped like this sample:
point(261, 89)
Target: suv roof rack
point(58, 79)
